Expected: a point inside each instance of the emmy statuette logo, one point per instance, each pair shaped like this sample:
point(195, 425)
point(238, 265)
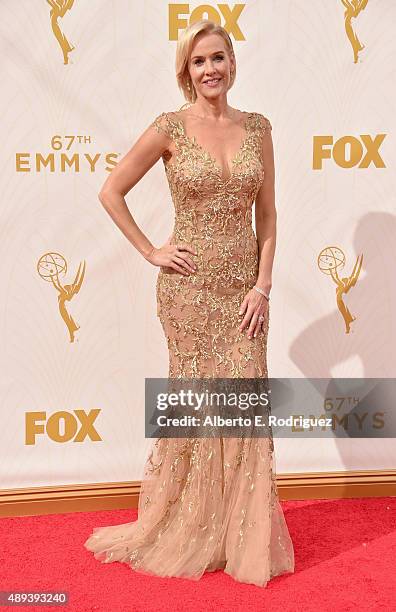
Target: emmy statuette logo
point(50, 266)
point(330, 260)
point(58, 9)
point(352, 10)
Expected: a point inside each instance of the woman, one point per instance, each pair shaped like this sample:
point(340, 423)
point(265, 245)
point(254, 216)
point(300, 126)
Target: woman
point(207, 503)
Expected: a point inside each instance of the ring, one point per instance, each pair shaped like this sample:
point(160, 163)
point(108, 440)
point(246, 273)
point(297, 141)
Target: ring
point(261, 318)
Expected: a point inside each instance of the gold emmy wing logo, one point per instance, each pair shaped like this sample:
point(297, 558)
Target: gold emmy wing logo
point(330, 260)
point(353, 9)
point(58, 9)
point(180, 18)
point(49, 267)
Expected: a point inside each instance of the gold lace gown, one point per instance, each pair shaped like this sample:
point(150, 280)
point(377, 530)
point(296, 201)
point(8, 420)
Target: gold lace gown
point(208, 503)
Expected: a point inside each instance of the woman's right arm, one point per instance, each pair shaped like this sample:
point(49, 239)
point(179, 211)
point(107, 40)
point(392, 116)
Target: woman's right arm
point(130, 169)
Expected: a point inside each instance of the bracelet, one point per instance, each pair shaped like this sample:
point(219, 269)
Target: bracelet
point(262, 292)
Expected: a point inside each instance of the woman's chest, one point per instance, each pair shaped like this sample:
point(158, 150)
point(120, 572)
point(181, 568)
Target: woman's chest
point(192, 169)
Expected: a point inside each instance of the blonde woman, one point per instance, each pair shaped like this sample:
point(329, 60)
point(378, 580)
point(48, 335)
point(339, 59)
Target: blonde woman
point(206, 503)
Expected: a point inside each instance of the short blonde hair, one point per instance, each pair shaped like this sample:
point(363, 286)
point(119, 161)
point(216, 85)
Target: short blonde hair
point(183, 52)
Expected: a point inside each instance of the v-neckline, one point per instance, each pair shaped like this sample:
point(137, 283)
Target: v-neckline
point(219, 169)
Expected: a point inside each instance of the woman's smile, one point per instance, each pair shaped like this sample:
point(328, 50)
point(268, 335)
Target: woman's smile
point(212, 82)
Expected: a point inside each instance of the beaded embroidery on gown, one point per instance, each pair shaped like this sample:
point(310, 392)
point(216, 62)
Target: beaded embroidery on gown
point(208, 503)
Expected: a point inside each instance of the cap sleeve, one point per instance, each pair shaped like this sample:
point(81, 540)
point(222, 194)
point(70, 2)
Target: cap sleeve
point(265, 124)
point(161, 124)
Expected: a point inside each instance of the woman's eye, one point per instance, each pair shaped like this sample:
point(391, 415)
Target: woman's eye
point(217, 57)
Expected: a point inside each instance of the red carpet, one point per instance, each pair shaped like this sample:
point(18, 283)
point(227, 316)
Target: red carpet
point(345, 560)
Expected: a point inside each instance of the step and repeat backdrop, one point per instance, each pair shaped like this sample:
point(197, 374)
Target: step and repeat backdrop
point(81, 80)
